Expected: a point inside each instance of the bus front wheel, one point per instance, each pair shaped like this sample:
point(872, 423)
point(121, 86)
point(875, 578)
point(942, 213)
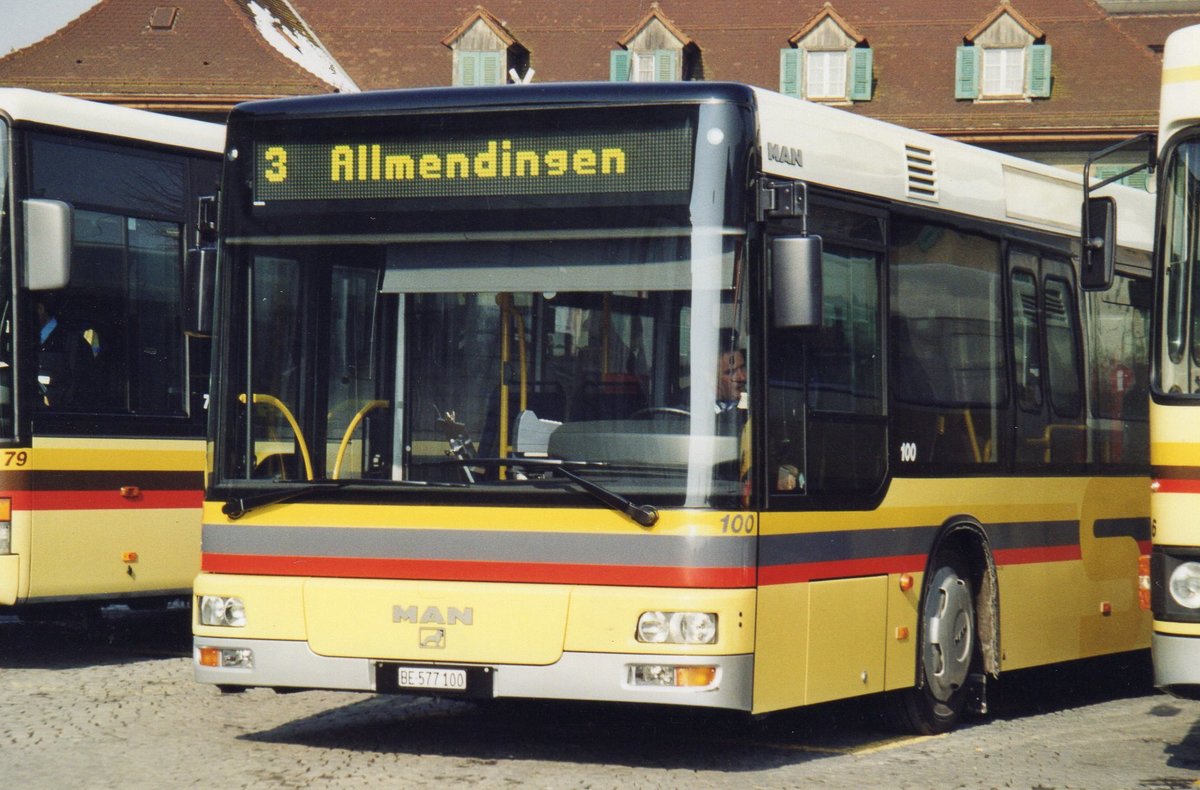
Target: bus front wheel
point(948, 648)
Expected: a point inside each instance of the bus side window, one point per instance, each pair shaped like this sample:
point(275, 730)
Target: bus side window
point(1118, 346)
point(948, 369)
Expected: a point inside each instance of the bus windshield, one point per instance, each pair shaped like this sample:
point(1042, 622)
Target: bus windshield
point(1179, 355)
point(489, 305)
point(620, 354)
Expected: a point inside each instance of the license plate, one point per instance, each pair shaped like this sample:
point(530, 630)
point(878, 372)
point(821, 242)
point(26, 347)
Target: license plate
point(424, 678)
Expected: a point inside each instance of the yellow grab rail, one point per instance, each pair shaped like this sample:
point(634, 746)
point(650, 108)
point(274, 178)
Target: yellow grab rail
point(358, 417)
point(271, 400)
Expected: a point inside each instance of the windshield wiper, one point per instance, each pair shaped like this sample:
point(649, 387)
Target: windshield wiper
point(645, 515)
point(239, 506)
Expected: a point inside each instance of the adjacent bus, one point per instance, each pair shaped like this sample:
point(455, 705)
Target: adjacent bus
point(101, 393)
point(688, 394)
point(1174, 568)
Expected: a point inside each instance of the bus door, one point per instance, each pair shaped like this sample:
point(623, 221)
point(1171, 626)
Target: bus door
point(821, 637)
point(1049, 420)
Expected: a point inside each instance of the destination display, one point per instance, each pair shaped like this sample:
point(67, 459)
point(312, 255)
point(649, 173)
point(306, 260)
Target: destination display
point(527, 164)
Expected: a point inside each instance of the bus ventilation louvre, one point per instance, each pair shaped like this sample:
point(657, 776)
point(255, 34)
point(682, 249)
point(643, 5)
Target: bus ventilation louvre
point(922, 173)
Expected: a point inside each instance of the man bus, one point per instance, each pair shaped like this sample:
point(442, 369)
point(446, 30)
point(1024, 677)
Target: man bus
point(465, 439)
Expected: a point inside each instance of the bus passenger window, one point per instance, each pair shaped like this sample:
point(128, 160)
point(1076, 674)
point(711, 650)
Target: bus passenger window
point(948, 357)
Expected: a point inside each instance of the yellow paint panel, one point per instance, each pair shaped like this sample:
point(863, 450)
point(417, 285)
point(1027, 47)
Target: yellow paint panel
point(1176, 519)
point(503, 623)
point(781, 663)
point(846, 623)
point(901, 653)
point(604, 619)
point(81, 552)
point(80, 454)
point(588, 521)
point(1068, 624)
point(274, 606)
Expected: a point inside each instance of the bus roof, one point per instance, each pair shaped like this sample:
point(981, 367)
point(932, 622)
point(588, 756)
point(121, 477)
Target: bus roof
point(799, 140)
point(20, 105)
point(1179, 104)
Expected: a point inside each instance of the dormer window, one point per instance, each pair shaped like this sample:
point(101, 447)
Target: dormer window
point(1005, 58)
point(654, 50)
point(828, 61)
point(485, 51)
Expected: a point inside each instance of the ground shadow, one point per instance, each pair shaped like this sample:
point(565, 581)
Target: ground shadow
point(677, 738)
point(73, 638)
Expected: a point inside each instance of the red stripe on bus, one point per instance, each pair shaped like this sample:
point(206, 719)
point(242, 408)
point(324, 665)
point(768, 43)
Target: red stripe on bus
point(1175, 485)
point(456, 570)
point(839, 569)
point(21, 500)
point(111, 500)
point(878, 566)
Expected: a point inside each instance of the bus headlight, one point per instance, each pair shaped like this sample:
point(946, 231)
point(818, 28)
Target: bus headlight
point(677, 628)
point(1184, 585)
point(222, 610)
point(5, 537)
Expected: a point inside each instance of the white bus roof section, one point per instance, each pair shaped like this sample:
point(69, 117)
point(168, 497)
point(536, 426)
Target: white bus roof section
point(1179, 104)
point(824, 145)
point(20, 105)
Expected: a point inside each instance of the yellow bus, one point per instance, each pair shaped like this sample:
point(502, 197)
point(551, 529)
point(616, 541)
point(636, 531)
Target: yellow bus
point(1174, 568)
point(687, 394)
point(101, 393)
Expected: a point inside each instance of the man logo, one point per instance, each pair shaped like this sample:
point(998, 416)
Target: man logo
point(433, 638)
point(432, 615)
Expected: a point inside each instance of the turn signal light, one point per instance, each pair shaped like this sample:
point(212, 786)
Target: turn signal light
point(225, 658)
point(672, 676)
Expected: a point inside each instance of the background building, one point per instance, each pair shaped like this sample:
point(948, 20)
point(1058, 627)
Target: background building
point(1047, 79)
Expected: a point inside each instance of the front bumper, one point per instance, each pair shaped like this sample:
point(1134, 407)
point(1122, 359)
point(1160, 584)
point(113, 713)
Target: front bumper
point(575, 676)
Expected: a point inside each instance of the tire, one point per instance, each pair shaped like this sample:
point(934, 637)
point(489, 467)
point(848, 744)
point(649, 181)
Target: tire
point(948, 650)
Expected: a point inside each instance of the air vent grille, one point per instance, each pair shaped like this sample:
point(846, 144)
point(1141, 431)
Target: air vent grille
point(922, 173)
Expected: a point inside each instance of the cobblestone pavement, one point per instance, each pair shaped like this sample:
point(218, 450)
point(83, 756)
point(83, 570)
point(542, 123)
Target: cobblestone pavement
point(111, 708)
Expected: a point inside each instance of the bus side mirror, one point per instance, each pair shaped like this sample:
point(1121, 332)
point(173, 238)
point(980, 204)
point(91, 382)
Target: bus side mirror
point(48, 239)
point(1099, 243)
point(199, 270)
point(199, 276)
point(796, 281)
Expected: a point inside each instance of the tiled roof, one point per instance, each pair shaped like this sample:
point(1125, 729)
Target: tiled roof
point(1105, 81)
point(1105, 69)
point(212, 56)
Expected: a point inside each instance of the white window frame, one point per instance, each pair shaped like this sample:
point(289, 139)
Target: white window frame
point(825, 74)
point(1003, 71)
point(643, 66)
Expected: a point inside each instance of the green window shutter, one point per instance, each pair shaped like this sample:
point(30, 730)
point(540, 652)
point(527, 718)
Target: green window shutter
point(618, 65)
point(491, 71)
point(789, 71)
point(664, 65)
point(966, 73)
point(861, 60)
point(1039, 71)
point(1136, 180)
point(468, 68)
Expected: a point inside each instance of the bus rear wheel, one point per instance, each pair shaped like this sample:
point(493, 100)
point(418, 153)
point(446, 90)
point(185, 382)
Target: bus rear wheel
point(948, 648)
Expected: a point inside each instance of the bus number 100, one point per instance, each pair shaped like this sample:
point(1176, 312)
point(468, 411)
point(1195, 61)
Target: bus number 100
point(737, 524)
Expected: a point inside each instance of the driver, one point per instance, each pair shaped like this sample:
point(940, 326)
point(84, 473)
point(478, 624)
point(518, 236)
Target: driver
point(731, 379)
